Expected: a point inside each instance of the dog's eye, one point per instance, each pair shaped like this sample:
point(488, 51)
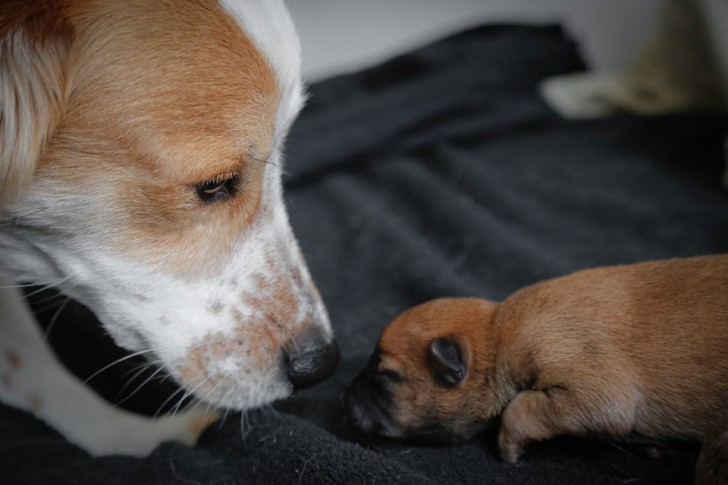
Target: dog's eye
point(220, 188)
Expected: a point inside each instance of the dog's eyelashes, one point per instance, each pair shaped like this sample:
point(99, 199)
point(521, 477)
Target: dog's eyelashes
point(217, 189)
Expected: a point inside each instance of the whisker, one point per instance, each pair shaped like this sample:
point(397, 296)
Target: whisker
point(186, 393)
point(244, 429)
point(159, 410)
point(45, 284)
point(209, 405)
point(54, 297)
point(227, 410)
point(139, 387)
point(118, 361)
point(54, 319)
point(138, 370)
point(106, 367)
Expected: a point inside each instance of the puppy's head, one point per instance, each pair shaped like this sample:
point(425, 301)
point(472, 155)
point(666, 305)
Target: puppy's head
point(140, 167)
point(430, 377)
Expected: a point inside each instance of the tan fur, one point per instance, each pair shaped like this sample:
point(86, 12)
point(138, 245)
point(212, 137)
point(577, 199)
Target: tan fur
point(34, 43)
point(616, 350)
point(140, 152)
point(149, 110)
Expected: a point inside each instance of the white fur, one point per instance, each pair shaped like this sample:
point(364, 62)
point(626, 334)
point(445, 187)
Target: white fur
point(38, 383)
point(30, 99)
point(269, 25)
point(58, 233)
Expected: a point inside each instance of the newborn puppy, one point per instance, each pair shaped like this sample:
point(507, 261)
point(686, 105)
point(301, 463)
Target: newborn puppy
point(639, 349)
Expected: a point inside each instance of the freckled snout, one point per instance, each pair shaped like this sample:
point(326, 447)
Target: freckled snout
point(311, 360)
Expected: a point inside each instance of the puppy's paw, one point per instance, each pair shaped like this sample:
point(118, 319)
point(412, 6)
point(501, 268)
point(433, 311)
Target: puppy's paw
point(512, 439)
point(521, 423)
point(510, 451)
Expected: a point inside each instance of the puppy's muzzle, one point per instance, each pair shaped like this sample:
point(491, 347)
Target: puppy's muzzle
point(366, 411)
point(312, 359)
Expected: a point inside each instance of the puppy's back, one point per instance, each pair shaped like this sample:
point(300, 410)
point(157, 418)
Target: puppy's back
point(661, 327)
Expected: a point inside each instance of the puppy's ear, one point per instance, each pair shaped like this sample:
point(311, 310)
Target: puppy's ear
point(447, 361)
point(34, 43)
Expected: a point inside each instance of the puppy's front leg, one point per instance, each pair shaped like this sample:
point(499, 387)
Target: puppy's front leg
point(32, 379)
point(541, 415)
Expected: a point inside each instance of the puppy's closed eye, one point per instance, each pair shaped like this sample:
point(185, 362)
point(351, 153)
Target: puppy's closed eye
point(390, 375)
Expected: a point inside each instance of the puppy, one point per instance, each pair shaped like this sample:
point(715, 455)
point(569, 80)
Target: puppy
point(140, 164)
point(638, 349)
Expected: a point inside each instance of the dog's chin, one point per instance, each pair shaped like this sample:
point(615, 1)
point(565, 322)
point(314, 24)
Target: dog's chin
point(237, 392)
point(240, 401)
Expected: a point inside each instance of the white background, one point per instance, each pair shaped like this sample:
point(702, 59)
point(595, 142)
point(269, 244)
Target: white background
point(345, 35)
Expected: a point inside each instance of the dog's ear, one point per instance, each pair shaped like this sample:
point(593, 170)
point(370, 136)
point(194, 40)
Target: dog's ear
point(447, 361)
point(34, 42)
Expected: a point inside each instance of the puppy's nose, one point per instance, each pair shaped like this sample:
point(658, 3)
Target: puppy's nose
point(311, 360)
point(356, 417)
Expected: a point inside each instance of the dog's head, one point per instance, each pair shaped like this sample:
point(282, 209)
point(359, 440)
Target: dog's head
point(140, 168)
point(430, 377)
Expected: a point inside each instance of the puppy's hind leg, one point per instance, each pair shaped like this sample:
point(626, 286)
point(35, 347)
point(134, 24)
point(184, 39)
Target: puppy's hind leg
point(32, 379)
point(538, 415)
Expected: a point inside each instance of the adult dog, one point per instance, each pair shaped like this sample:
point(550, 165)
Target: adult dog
point(140, 175)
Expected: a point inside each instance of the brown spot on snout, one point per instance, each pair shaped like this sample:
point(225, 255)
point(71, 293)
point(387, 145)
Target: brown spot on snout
point(13, 359)
point(219, 363)
point(35, 402)
point(215, 307)
point(270, 320)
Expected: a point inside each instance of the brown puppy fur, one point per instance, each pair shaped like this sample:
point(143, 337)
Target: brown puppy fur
point(612, 351)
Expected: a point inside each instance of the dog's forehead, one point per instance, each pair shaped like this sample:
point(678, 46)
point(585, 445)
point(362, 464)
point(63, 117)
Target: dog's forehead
point(184, 78)
point(161, 98)
point(270, 27)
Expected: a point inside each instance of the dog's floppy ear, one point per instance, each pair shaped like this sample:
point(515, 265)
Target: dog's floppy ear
point(34, 43)
point(446, 359)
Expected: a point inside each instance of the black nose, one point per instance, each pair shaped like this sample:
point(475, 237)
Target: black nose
point(311, 360)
